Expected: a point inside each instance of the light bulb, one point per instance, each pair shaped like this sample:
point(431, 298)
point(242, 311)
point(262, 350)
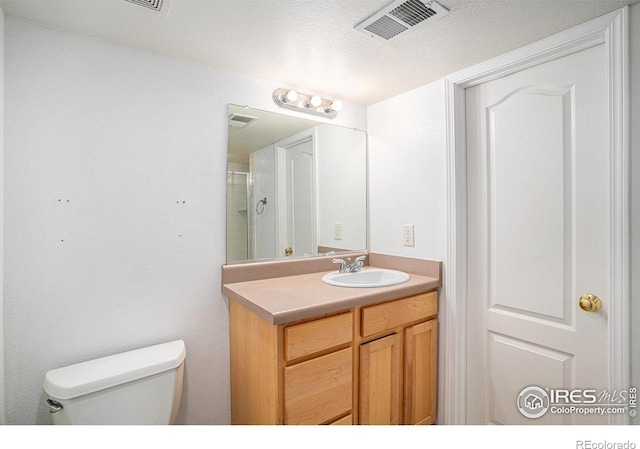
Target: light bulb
point(336, 105)
point(292, 95)
point(315, 101)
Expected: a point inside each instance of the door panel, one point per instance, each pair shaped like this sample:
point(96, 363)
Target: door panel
point(301, 198)
point(523, 362)
point(530, 183)
point(538, 193)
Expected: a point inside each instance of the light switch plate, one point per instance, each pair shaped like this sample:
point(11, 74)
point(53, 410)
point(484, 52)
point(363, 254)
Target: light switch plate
point(337, 231)
point(407, 235)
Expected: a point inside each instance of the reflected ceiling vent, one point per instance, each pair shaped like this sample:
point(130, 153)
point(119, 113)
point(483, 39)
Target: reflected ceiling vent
point(399, 17)
point(241, 121)
point(151, 4)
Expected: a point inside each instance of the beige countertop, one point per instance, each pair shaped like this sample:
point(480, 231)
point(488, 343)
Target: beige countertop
point(283, 299)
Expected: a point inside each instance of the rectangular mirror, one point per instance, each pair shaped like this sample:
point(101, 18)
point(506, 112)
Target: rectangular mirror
point(295, 187)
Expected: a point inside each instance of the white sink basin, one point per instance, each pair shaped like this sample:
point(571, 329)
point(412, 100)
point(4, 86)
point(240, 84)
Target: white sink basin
point(367, 277)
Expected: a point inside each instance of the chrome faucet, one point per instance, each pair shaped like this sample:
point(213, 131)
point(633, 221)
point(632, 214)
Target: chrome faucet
point(350, 268)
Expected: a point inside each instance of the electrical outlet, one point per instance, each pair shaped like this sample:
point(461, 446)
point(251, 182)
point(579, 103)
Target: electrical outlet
point(337, 231)
point(407, 235)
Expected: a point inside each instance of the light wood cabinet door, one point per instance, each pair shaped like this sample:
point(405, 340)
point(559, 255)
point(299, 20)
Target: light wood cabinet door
point(344, 421)
point(420, 371)
point(381, 381)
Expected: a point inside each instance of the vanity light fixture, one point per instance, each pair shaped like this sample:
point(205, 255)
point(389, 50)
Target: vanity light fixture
point(313, 104)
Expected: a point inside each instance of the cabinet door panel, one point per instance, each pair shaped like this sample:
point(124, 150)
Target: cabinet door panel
point(344, 421)
point(380, 381)
point(320, 389)
point(420, 371)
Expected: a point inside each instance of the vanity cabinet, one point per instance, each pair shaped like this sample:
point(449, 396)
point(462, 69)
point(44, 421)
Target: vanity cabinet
point(365, 365)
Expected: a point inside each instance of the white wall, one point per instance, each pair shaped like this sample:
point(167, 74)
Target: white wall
point(407, 173)
point(341, 172)
point(103, 143)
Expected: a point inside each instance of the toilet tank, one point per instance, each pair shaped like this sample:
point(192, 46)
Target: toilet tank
point(143, 386)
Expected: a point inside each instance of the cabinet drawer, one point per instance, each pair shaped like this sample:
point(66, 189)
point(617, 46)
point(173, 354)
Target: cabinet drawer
point(391, 314)
point(320, 389)
point(315, 336)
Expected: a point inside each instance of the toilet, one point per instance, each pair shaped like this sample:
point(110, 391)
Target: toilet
point(143, 386)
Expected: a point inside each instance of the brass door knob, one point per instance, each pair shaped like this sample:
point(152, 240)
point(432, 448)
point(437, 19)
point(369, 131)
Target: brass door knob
point(288, 251)
point(590, 303)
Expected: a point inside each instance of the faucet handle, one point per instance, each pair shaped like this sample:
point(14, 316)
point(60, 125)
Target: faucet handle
point(358, 263)
point(343, 264)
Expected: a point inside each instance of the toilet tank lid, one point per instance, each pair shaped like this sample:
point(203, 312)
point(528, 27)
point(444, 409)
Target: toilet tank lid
point(95, 375)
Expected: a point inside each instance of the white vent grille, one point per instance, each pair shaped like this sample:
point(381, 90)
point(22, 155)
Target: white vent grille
point(386, 28)
point(412, 12)
point(151, 4)
point(400, 17)
point(240, 121)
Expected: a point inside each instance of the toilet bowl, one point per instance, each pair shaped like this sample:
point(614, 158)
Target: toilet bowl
point(143, 386)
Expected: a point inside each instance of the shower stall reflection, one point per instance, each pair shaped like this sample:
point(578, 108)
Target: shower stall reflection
point(238, 192)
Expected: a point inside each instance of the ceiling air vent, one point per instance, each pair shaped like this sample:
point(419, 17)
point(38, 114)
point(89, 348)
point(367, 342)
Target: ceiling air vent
point(400, 17)
point(240, 121)
point(151, 4)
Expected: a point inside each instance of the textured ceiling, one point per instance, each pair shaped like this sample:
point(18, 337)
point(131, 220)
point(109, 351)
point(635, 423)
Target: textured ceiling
point(311, 44)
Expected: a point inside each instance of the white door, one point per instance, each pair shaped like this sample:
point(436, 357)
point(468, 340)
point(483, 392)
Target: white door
point(301, 229)
point(538, 229)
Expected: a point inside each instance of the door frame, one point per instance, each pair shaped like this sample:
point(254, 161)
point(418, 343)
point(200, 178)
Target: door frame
point(612, 31)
